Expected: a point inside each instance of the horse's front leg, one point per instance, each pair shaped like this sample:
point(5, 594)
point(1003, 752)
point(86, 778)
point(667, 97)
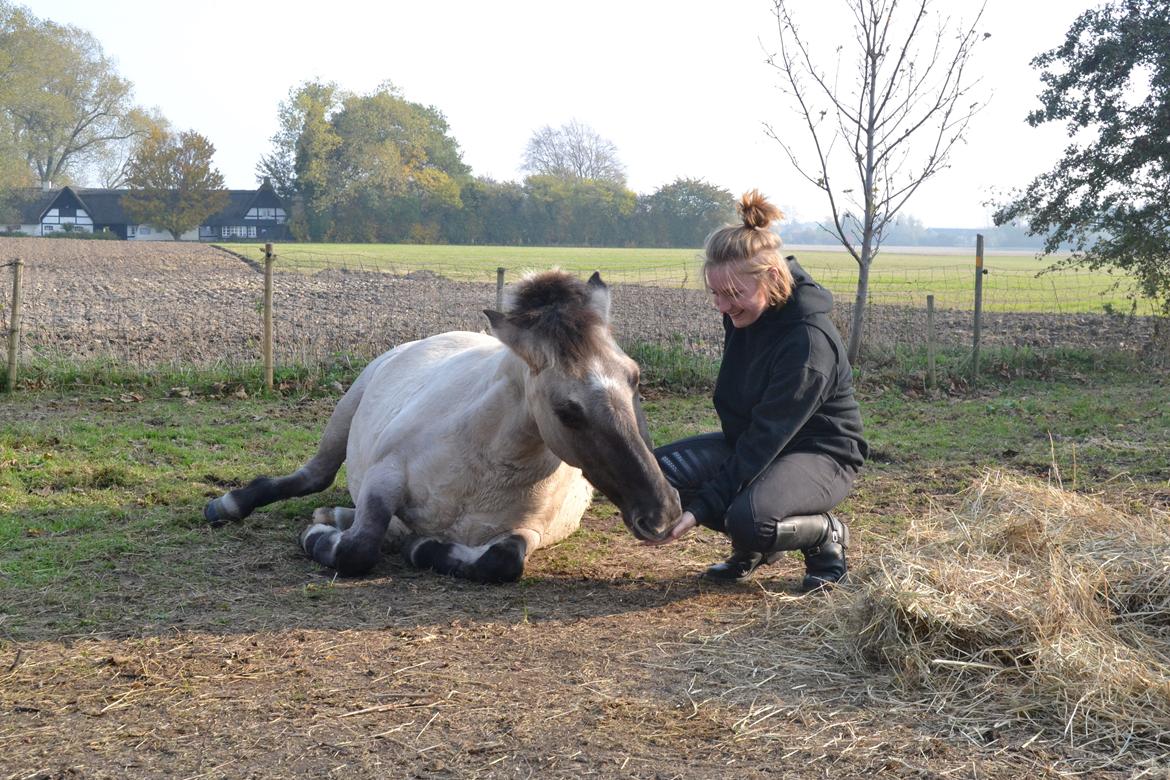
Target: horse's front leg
point(500, 560)
point(352, 544)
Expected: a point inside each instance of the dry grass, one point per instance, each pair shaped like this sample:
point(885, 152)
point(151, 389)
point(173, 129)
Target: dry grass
point(1029, 607)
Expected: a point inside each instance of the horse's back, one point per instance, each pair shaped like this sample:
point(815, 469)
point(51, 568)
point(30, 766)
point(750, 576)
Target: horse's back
point(446, 368)
point(414, 398)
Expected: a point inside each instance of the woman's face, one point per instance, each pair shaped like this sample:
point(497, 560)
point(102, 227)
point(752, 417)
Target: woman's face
point(737, 293)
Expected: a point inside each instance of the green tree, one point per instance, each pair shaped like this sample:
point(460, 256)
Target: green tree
point(1109, 195)
point(684, 212)
point(599, 213)
point(372, 167)
point(62, 101)
point(396, 161)
point(303, 148)
point(492, 213)
point(172, 182)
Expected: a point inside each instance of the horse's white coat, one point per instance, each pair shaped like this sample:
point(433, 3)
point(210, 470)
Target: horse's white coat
point(446, 421)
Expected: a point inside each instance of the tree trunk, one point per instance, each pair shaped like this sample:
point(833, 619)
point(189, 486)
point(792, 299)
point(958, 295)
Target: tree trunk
point(857, 321)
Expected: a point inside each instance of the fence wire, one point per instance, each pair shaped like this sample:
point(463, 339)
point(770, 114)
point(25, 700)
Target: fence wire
point(157, 305)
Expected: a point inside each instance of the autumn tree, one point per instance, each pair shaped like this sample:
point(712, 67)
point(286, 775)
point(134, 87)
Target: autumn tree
point(882, 114)
point(1109, 195)
point(573, 151)
point(172, 182)
point(62, 101)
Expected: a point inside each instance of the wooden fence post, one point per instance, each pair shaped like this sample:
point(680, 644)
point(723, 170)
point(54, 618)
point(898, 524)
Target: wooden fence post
point(931, 379)
point(978, 308)
point(14, 324)
point(499, 289)
point(269, 259)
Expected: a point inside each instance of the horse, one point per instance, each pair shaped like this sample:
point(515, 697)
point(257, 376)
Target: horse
point(469, 451)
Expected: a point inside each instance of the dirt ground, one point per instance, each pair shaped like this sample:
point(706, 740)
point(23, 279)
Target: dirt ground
point(147, 304)
point(608, 660)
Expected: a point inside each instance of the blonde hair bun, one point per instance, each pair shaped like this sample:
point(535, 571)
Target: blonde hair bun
point(756, 211)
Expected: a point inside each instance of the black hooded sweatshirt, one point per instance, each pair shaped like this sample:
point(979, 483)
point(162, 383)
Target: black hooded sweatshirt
point(784, 385)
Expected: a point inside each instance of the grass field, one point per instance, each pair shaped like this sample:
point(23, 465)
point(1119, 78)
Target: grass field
point(1013, 283)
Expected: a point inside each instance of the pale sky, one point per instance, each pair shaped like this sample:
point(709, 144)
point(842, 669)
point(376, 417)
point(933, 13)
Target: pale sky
point(679, 86)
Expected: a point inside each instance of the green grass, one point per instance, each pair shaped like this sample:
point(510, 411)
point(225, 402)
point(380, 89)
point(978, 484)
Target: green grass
point(1013, 283)
point(101, 490)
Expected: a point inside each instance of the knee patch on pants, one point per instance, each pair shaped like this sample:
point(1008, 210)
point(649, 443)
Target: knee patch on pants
point(746, 531)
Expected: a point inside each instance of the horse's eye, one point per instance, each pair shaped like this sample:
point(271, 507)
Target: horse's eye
point(570, 414)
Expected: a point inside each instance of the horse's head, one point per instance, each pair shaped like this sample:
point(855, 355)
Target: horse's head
point(583, 393)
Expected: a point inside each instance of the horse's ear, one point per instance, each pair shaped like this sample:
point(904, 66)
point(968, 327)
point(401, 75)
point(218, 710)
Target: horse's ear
point(599, 295)
point(517, 339)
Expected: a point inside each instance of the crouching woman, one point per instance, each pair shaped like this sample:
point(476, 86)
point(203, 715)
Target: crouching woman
point(791, 441)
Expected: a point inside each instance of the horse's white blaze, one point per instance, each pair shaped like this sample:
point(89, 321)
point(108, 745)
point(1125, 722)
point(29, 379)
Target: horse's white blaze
point(607, 383)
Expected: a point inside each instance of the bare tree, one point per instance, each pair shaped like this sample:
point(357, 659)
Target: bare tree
point(881, 126)
point(112, 168)
point(573, 151)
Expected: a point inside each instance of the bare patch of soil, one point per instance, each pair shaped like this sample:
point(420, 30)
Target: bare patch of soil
point(148, 304)
point(623, 666)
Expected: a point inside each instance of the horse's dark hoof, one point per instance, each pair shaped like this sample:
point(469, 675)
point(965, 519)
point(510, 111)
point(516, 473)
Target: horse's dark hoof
point(213, 513)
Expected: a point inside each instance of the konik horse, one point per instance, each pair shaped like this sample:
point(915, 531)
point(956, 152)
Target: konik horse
point(472, 450)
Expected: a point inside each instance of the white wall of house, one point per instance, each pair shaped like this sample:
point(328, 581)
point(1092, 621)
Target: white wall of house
point(53, 221)
point(150, 233)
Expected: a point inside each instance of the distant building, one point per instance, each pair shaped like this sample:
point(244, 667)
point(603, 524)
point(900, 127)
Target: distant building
point(258, 213)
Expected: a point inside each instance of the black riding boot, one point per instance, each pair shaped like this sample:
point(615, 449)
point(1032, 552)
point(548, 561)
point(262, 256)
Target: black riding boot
point(822, 539)
point(738, 567)
point(824, 562)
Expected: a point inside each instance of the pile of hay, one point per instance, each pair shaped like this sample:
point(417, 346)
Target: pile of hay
point(1029, 608)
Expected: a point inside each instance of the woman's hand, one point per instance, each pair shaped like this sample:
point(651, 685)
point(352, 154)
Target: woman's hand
point(684, 524)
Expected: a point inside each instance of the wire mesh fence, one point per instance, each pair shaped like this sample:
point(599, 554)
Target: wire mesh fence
point(158, 305)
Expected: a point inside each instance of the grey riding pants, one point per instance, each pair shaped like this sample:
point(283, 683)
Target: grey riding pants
point(795, 483)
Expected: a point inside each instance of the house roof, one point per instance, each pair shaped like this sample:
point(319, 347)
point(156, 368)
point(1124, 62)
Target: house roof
point(105, 205)
point(233, 212)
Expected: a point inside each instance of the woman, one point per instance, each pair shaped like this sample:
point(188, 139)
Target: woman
point(791, 441)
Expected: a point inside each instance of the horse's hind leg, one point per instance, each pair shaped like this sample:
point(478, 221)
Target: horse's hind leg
point(340, 517)
point(313, 477)
point(356, 548)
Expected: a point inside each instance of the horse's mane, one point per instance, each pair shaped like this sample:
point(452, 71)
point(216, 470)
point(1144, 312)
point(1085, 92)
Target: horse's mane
point(558, 309)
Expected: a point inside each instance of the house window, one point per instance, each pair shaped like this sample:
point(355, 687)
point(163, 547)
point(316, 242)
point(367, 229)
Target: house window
point(131, 231)
point(251, 231)
point(235, 231)
point(144, 230)
point(262, 213)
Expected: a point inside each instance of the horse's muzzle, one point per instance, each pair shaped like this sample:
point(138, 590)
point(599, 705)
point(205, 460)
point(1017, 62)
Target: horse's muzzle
point(656, 524)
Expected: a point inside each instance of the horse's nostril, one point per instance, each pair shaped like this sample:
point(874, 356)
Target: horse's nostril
point(645, 527)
